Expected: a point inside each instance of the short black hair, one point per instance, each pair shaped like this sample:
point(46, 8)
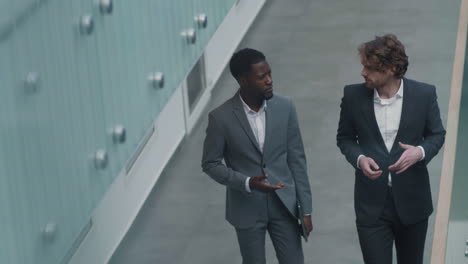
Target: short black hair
point(241, 60)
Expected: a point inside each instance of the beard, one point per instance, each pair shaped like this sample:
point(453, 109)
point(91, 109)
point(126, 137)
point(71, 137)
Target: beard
point(370, 84)
point(268, 96)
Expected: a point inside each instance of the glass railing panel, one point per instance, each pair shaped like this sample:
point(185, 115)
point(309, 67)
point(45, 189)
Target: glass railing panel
point(79, 87)
point(457, 239)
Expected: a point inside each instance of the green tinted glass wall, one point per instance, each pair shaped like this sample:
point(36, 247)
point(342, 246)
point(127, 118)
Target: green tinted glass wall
point(457, 240)
point(62, 93)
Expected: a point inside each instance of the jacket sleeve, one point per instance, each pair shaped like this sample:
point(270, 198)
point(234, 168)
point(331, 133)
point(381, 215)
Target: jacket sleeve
point(213, 155)
point(296, 160)
point(434, 132)
point(347, 137)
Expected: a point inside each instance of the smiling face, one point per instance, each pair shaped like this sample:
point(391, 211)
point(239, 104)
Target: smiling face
point(258, 81)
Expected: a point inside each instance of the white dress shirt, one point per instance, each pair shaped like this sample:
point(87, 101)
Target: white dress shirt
point(257, 122)
point(388, 115)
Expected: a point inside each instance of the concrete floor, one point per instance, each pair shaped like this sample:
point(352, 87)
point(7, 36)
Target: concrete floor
point(312, 49)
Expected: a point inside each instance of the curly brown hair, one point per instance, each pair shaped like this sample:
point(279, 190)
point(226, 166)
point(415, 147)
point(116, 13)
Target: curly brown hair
point(383, 53)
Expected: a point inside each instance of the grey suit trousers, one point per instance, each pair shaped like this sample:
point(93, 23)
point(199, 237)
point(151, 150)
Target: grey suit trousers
point(282, 228)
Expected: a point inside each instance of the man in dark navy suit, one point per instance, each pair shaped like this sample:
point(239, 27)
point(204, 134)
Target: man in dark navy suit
point(389, 130)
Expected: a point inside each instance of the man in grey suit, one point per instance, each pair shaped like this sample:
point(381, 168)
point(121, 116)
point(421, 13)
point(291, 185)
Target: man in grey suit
point(389, 130)
point(257, 135)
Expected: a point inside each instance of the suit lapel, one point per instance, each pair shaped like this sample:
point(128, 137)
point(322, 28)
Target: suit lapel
point(369, 114)
point(406, 109)
point(269, 114)
point(239, 112)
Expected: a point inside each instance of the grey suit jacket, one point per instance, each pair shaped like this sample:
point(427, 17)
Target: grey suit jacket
point(358, 133)
point(229, 137)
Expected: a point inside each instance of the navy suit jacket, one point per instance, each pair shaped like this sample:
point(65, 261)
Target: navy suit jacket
point(358, 133)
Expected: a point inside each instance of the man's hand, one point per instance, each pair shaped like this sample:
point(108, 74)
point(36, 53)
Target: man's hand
point(258, 183)
point(308, 224)
point(410, 156)
point(370, 168)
